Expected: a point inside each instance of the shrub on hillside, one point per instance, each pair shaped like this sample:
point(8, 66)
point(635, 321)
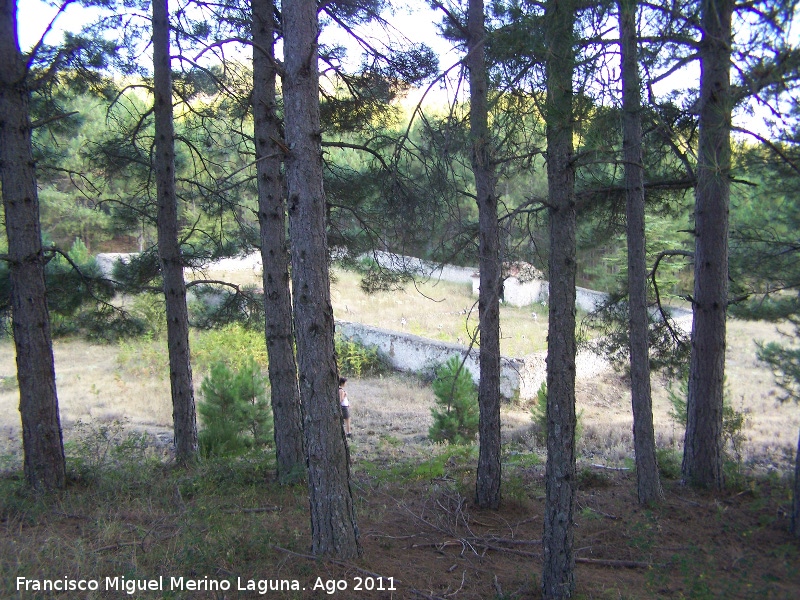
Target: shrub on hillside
point(456, 414)
point(356, 359)
point(233, 345)
point(235, 411)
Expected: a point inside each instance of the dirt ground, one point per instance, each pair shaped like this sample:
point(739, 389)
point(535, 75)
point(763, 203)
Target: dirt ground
point(436, 544)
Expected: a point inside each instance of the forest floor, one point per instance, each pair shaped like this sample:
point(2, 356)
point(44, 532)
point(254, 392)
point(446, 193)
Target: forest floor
point(226, 525)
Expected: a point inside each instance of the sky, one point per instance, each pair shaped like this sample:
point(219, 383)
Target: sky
point(419, 25)
point(34, 17)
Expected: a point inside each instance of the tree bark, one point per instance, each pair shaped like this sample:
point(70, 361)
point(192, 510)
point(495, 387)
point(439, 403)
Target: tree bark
point(795, 527)
point(703, 452)
point(487, 483)
point(45, 465)
point(558, 579)
point(333, 525)
point(647, 478)
point(169, 251)
point(286, 409)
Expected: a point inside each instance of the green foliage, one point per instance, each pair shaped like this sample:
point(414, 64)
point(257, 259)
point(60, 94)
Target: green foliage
point(149, 309)
point(70, 287)
point(356, 360)
point(233, 345)
point(98, 449)
point(214, 306)
point(609, 326)
point(456, 414)
point(669, 462)
point(539, 414)
point(235, 411)
point(733, 421)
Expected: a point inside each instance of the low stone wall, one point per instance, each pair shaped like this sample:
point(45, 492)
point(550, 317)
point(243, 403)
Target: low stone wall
point(409, 264)
point(413, 353)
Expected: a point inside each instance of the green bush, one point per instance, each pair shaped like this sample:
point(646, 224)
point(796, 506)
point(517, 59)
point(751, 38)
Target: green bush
point(539, 414)
point(669, 462)
point(233, 345)
point(150, 310)
point(235, 411)
point(456, 414)
point(99, 449)
point(356, 360)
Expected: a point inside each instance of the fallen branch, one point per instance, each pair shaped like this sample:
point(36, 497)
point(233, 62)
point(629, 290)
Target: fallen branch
point(117, 546)
point(510, 550)
point(515, 542)
point(610, 468)
point(233, 511)
point(615, 564)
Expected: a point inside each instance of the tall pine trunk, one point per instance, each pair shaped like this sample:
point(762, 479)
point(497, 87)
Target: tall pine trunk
point(703, 451)
point(487, 484)
point(333, 525)
point(795, 526)
point(647, 478)
point(169, 250)
point(45, 466)
point(558, 579)
point(286, 410)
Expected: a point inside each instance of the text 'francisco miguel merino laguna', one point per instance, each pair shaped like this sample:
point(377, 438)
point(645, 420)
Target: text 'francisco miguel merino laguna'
point(131, 586)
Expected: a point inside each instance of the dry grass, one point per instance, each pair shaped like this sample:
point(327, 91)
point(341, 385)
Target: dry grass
point(438, 310)
point(92, 387)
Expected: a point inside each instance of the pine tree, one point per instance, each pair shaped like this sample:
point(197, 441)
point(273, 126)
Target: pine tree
point(333, 524)
point(456, 414)
point(45, 465)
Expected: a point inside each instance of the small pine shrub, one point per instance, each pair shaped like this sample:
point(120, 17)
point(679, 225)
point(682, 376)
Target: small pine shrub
point(669, 463)
point(456, 414)
point(235, 411)
point(539, 414)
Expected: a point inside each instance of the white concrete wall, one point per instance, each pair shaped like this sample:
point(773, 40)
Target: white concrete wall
point(417, 354)
point(589, 300)
point(517, 293)
point(409, 264)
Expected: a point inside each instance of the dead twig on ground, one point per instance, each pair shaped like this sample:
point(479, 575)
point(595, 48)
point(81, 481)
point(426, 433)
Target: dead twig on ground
point(260, 509)
point(616, 564)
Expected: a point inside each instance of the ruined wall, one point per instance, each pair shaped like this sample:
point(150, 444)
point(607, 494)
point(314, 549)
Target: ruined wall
point(413, 353)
